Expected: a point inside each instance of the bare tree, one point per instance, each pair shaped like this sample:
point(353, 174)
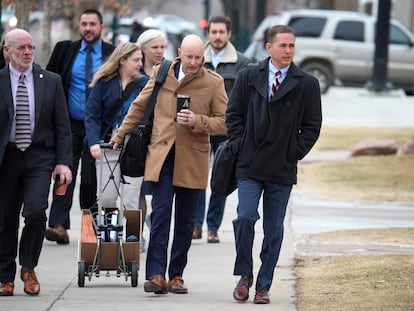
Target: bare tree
point(49, 10)
point(22, 13)
point(71, 9)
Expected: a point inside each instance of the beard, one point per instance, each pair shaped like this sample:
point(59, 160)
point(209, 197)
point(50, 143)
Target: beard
point(218, 44)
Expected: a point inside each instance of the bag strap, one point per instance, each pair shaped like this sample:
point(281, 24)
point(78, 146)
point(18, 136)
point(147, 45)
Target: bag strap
point(110, 117)
point(159, 80)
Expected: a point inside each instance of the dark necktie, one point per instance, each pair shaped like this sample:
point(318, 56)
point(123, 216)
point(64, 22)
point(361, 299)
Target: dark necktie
point(23, 131)
point(276, 84)
point(88, 70)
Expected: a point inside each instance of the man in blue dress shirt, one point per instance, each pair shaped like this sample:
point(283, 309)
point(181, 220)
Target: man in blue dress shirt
point(69, 59)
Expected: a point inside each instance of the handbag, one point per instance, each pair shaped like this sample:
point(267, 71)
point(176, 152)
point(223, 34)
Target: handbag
point(135, 145)
point(223, 175)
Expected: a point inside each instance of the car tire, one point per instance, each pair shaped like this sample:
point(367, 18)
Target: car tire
point(322, 73)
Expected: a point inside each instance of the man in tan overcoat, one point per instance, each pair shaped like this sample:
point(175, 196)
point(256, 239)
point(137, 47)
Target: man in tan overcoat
point(177, 162)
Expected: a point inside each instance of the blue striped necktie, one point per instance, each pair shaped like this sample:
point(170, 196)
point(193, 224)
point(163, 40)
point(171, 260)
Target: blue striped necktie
point(23, 130)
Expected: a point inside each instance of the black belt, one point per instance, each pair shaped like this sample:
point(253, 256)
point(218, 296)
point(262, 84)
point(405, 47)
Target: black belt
point(11, 145)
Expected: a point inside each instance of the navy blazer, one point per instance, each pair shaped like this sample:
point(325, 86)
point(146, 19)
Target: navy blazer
point(64, 55)
point(51, 138)
point(104, 96)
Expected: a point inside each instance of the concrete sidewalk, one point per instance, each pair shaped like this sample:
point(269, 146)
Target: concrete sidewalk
point(208, 277)
point(210, 266)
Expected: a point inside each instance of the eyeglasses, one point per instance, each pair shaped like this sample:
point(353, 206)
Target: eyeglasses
point(22, 48)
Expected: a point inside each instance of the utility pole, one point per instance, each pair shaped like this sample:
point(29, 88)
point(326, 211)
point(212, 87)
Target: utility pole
point(206, 9)
point(260, 12)
point(379, 81)
point(204, 22)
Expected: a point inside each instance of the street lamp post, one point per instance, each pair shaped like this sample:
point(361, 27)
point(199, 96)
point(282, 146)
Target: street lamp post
point(379, 81)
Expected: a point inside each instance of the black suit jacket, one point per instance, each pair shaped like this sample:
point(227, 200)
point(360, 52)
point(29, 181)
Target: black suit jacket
point(273, 134)
point(64, 55)
point(51, 139)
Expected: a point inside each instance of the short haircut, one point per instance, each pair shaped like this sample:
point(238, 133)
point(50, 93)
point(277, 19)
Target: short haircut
point(218, 19)
point(274, 30)
point(93, 11)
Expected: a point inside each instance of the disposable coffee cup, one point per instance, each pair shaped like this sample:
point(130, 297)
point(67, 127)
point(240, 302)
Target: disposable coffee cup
point(60, 188)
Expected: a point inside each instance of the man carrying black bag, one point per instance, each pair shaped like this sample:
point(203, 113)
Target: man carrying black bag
point(135, 145)
point(274, 114)
point(177, 162)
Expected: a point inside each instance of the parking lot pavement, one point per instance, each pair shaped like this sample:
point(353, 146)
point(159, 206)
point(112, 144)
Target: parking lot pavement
point(358, 107)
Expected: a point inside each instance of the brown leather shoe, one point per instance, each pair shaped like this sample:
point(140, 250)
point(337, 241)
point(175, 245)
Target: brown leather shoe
point(58, 233)
point(197, 232)
point(241, 291)
point(31, 284)
point(262, 297)
point(213, 237)
point(6, 289)
point(156, 284)
point(176, 285)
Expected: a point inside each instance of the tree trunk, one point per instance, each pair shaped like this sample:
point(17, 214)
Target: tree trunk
point(22, 14)
point(47, 16)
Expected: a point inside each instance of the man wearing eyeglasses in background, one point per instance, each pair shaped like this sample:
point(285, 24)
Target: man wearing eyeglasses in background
point(69, 59)
point(35, 144)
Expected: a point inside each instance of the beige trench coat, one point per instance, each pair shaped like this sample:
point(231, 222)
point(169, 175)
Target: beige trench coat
point(192, 145)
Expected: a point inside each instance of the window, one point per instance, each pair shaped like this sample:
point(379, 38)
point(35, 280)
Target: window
point(308, 26)
point(397, 36)
point(350, 31)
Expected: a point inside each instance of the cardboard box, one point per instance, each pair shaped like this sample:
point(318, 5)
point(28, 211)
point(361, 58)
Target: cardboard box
point(109, 256)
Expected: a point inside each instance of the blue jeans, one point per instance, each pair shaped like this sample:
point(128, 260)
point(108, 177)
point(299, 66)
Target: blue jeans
point(217, 201)
point(215, 210)
point(275, 200)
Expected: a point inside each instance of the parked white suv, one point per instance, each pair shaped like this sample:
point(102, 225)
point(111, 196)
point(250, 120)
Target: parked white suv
point(338, 47)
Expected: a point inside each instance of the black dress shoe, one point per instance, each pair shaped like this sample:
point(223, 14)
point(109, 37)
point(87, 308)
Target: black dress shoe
point(6, 288)
point(241, 291)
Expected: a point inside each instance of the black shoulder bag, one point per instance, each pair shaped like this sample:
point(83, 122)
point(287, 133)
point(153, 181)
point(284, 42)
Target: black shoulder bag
point(135, 146)
point(223, 173)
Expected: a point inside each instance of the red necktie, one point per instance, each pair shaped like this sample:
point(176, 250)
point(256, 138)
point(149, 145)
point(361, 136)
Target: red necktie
point(276, 84)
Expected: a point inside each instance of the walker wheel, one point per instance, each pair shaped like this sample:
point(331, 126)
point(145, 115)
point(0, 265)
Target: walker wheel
point(134, 274)
point(81, 273)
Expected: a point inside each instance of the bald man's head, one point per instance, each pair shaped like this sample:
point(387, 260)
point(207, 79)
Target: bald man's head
point(192, 41)
point(191, 53)
point(15, 35)
point(19, 47)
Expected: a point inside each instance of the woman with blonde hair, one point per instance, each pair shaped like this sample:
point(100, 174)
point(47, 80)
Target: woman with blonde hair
point(113, 88)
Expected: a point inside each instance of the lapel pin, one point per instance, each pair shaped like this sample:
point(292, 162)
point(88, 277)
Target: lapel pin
point(41, 76)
